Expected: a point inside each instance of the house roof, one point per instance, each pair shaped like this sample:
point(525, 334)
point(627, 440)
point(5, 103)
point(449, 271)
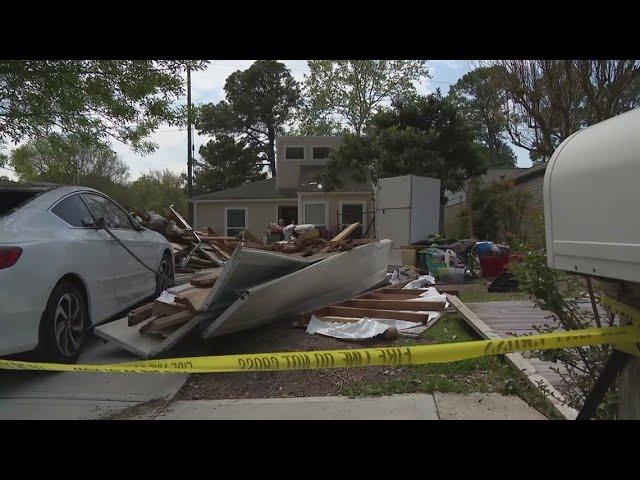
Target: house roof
point(308, 182)
point(262, 189)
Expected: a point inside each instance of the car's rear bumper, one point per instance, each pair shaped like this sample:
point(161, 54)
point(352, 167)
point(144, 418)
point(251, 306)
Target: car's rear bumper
point(22, 302)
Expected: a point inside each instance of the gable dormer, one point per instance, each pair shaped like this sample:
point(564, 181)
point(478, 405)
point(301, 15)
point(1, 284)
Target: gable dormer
point(292, 152)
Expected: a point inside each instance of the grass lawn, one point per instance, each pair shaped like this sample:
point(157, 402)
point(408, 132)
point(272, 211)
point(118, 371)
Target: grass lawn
point(477, 292)
point(486, 374)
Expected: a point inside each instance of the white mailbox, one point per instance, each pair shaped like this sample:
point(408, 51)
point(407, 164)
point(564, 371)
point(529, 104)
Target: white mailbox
point(591, 207)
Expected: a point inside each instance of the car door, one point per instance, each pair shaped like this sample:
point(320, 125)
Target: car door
point(132, 280)
point(88, 252)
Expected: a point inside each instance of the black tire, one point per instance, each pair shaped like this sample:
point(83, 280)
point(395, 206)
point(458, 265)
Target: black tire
point(63, 329)
point(166, 268)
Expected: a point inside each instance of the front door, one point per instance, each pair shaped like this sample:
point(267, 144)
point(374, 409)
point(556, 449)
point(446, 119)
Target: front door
point(352, 213)
point(132, 280)
point(288, 214)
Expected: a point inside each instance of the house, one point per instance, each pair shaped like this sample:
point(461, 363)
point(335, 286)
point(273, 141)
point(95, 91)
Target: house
point(524, 179)
point(294, 195)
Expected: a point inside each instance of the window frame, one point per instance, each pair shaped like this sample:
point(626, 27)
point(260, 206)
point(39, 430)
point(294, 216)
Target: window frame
point(313, 157)
point(316, 202)
point(66, 197)
point(226, 218)
point(364, 221)
point(133, 224)
point(304, 153)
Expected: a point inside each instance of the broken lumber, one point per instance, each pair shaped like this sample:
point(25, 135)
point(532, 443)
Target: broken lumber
point(139, 314)
point(193, 298)
point(344, 234)
point(395, 305)
point(353, 312)
point(162, 308)
point(206, 280)
point(156, 325)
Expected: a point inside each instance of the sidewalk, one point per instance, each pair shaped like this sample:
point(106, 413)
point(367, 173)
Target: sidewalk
point(439, 406)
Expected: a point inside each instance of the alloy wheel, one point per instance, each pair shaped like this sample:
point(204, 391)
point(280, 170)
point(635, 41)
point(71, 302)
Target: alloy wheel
point(69, 324)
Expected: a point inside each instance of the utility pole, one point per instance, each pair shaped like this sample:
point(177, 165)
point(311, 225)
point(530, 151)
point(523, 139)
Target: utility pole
point(189, 157)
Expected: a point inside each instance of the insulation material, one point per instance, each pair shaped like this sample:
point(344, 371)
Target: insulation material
point(364, 328)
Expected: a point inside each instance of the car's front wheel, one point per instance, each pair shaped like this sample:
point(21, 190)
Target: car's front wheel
point(64, 325)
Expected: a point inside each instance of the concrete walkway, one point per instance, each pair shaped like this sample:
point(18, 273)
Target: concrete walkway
point(396, 407)
point(26, 395)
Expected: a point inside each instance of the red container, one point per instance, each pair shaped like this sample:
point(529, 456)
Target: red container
point(494, 266)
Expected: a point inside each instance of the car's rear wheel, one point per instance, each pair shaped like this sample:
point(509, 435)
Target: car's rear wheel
point(165, 277)
point(64, 326)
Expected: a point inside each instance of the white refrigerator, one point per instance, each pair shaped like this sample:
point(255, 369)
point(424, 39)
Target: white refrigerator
point(407, 211)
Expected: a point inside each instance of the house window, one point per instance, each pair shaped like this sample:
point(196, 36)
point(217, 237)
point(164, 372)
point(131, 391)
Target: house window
point(315, 213)
point(321, 153)
point(236, 221)
point(294, 153)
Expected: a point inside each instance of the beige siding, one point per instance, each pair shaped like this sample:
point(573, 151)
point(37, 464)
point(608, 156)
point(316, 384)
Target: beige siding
point(259, 214)
point(289, 170)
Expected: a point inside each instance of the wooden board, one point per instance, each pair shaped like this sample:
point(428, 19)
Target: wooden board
point(206, 280)
point(157, 324)
point(193, 298)
point(394, 305)
point(162, 308)
point(344, 234)
point(387, 296)
point(353, 312)
point(219, 251)
point(140, 314)
point(250, 237)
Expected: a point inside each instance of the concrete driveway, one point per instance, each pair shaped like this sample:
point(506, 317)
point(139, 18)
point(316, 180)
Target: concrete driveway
point(26, 395)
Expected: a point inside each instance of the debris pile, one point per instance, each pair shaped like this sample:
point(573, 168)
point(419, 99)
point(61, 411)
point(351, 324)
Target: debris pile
point(170, 311)
point(256, 285)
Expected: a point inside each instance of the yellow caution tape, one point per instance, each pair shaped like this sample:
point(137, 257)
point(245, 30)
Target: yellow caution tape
point(361, 357)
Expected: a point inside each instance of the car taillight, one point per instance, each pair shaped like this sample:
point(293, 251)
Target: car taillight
point(9, 256)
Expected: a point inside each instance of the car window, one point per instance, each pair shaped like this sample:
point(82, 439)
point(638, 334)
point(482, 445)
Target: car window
point(102, 207)
point(73, 211)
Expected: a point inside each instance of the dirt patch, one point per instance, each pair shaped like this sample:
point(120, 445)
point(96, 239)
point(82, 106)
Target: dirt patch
point(282, 337)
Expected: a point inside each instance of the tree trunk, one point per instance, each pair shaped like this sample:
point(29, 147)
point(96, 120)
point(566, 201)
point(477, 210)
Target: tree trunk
point(271, 150)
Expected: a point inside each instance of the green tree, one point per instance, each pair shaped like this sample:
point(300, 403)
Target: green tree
point(68, 159)
point(422, 135)
point(477, 95)
point(260, 102)
point(352, 91)
point(156, 190)
point(91, 99)
point(227, 163)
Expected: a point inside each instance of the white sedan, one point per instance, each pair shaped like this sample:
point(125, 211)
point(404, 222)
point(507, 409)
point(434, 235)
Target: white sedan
point(61, 274)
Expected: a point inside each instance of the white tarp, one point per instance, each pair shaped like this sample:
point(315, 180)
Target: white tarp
point(420, 282)
point(364, 328)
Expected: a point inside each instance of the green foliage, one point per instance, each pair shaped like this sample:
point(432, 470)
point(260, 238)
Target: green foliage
point(422, 136)
point(68, 160)
point(352, 91)
point(561, 294)
point(156, 190)
point(498, 211)
point(260, 101)
point(477, 95)
point(226, 163)
point(93, 100)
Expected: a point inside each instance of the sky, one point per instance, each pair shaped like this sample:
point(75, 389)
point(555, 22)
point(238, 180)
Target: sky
point(207, 87)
